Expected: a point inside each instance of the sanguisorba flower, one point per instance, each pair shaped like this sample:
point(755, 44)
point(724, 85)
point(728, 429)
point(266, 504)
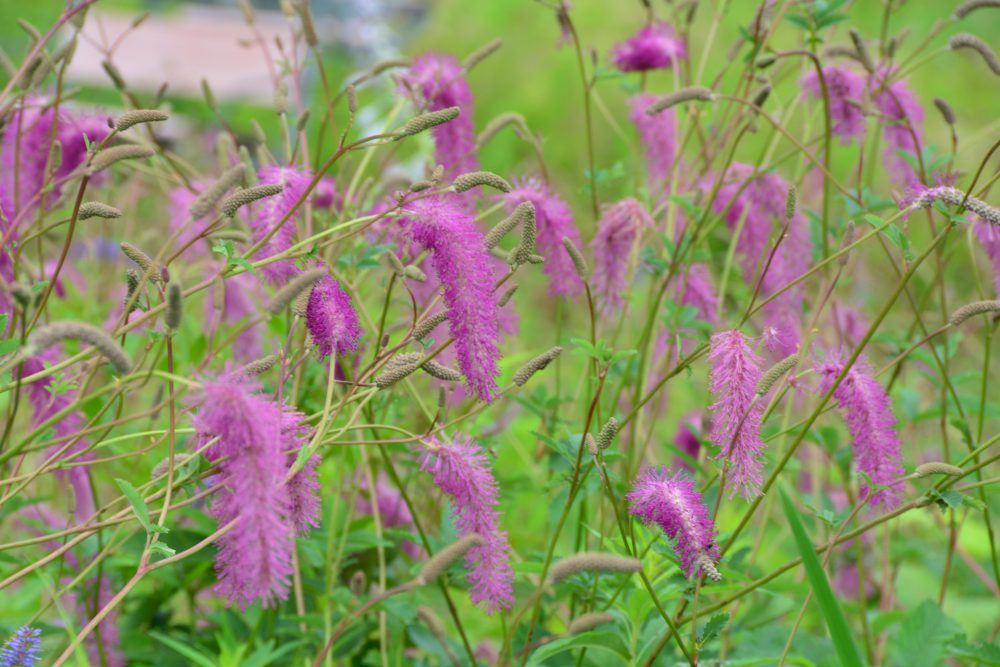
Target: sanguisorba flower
point(439, 83)
point(845, 89)
point(673, 503)
point(658, 135)
point(867, 411)
point(613, 247)
point(331, 318)
point(268, 212)
point(443, 226)
point(736, 417)
point(655, 46)
point(554, 220)
point(21, 650)
point(302, 488)
point(254, 558)
point(461, 470)
point(903, 119)
point(988, 236)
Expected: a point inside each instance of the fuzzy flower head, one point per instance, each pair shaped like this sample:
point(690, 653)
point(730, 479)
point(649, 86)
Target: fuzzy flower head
point(555, 221)
point(438, 82)
point(331, 318)
point(270, 211)
point(674, 504)
point(462, 264)
point(21, 650)
point(462, 471)
point(655, 46)
point(867, 410)
point(988, 236)
point(613, 247)
point(903, 118)
point(658, 135)
point(845, 89)
point(736, 369)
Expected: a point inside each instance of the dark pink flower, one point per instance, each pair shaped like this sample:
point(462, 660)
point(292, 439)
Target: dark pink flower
point(613, 248)
point(674, 504)
point(461, 470)
point(686, 440)
point(988, 236)
point(302, 488)
point(658, 136)
point(331, 319)
point(269, 212)
point(656, 46)
point(903, 119)
point(845, 89)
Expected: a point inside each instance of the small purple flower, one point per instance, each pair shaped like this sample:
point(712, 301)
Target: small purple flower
point(867, 410)
point(901, 126)
point(674, 504)
point(459, 257)
point(461, 470)
point(268, 212)
point(845, 89)
point(331, 319)
point(439, 82)
point(613, 247)
point(736, 422)
point(555, 221)
point(656, 46)
point(21, 650)
point(658, 136)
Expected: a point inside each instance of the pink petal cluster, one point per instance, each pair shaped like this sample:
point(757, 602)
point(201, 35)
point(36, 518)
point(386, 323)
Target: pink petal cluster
point(331, 318)
point(438, 81)
point(846, 89)
point(613, 247)
point(268, 212)
point(674, 504)
point(658, 136)
point(903, 119)
point(461, 470)
point(867, 410)
point(555, 221)
point(736, 421)
point(459, 257)
point(655, 46)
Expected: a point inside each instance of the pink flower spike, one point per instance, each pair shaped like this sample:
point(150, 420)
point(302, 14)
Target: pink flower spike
point(902, 124)
point(270, 211)
point(613, 247)
point(331, 318)
point(658, 135)
point(655, 46)
point(845, 89)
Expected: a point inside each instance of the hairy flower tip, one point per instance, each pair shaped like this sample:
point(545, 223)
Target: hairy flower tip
point(613, 247)
point(658, 136)
point(938, 468)
point(95, 209)
point(331, 319)
point(946, 111)
point(397, 368)
point(426, 121)
point(775, 373)
point(481, 54)
point(474, 179)
point(737, 413)
point(674, 504)
point(903, 117)
point(592, 561)
point(48, 335)
point(586, 622)
point(462, 264)
point(440, 371)
point(524, 252)
point(462, 471)
point(607, 434)
point(576, 256)
point(115, 154)
point(254, 558)
point(21, 650)
point(150, 268)
point(303, 488)
point(553, 221)
point(442, 560)
point(967, 8)
point(246, 196)
point(296, 286)
point(506, 296)
point(139, 116)
point(967, 41)
point(867, 410)
point(655, 46)
point(428, 324)
point(438, 83)
point(540, 362)
point(690, 94)
point(211, 195)
point(971, 310)
point(271, 212)
point(175, 306)
point(845, 89)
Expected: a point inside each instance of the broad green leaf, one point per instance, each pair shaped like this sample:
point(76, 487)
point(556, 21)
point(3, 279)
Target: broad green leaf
point(921, 637)
point(139, 507)
point(713, 628)
point(840, 633)
point(977, 654)
point(607, 642)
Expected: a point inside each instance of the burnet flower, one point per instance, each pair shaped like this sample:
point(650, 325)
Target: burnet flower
point(614, 246)
point(268, 213)
point(655, 46)
point(658, 136)
point(903, 119)
point(331, 319)
point(845, 89)
point(461, 470)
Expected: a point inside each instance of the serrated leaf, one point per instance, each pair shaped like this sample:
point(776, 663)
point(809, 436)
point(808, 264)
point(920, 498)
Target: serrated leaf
point(978, 654)
point(921, 637)
point(713, 628)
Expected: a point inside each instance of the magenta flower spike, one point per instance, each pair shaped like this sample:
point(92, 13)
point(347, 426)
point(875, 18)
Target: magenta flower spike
point(269, 212)
point(658, 136)
point(902, 124)
point(24, 153)
point(655, 46)
point(674, 504)
point(867, 411)
point(736, 369)
point(846, 89)
point(331, 318)
point(988, 236)
point(303, 487)
point(554, 221)
point(461, 470)
point(613, 247)
point(459, 257)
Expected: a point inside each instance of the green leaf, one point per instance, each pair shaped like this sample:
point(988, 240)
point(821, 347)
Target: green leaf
point(139, 507)
point(713, 628)
point(3, 321)
point(978, 654)
point(189, 652)
point(243, 263)
point(8, 346)
point(606, 641)
point(921, 637)
point(840, 633)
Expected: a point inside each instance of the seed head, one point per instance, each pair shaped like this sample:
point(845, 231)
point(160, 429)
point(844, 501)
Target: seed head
point(428, 324)
point(971, 310)
point(506, 296)
point(443, 559)
point(137, 116)
point(946, 111)
point(258, 366)
point(474, 179)
point(481, 54)
point(864, 57)
point(213, 193)
point(95, 209)
point(440, 371)
point(144, 262)
point(967, 8)
point(248, 195)
point(592, 562)
point(607, 434)
point(690, 94)
point(938, 468)
point(426, 121)
point(298, 285)
point(775, 373)
point(967, 41)
point(175, 306)
point(48, 335)
point(588, 622)
point(109, 156)
point(535, 365)
point(397, 368)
